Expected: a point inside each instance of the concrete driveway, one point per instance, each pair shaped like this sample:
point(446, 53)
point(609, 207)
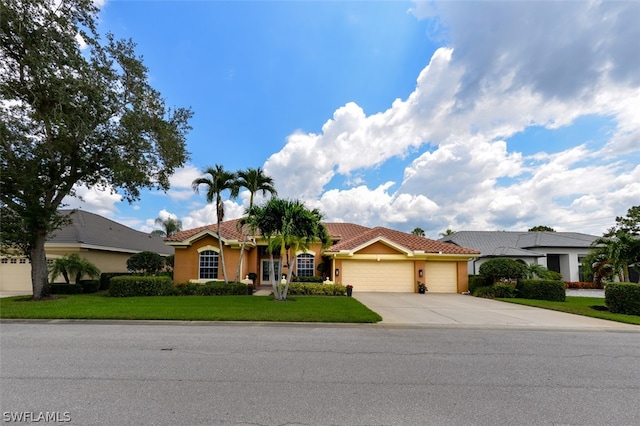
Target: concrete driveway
point(469, 311)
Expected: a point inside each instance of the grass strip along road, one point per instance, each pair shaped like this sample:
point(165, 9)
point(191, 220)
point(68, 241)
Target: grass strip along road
point(191, 308)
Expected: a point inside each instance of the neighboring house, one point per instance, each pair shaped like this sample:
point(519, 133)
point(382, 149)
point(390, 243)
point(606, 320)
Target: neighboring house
point(557, 251)
point(105, 243)
point(370, 259)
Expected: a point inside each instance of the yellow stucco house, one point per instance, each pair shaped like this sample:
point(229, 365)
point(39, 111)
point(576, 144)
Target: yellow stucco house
point(105, 243)
point(370, 259)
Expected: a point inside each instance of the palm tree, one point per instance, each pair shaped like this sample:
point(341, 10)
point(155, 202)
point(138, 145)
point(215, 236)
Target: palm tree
point(169, 227)
point(254, 180)
point(288, 226)
point(218, 181)
point(618, 253)
point(447, 232)
point(418, 231)
point(73, 265)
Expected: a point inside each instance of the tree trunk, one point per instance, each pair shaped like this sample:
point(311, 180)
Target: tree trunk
point(272, 276)
point(39, 273)
point(224, 269)
point(244, 240)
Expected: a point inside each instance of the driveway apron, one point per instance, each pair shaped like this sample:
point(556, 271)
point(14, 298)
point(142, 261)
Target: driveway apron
point(469, 311)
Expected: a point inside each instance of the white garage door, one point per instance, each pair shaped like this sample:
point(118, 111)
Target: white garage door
point(379, 276)
point(441, 277)
point(15, 274)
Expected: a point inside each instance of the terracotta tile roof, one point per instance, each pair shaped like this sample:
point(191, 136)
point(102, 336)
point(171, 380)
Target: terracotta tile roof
point(348, 236)
point(409, 241)
point(228, 230)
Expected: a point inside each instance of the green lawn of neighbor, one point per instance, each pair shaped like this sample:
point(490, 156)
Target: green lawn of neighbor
point(191, 308)
point(587, 306)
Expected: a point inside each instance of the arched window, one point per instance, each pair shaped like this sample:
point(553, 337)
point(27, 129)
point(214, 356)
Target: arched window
point(306, 264)
point(208, 265)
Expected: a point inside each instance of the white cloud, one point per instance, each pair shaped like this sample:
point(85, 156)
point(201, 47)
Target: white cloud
point(510, 66)
point(100, 201)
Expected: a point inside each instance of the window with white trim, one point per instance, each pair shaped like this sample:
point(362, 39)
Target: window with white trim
point(208, 265)
point(306, 264)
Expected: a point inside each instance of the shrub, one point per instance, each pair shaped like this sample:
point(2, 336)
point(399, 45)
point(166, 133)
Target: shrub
point(623, 298)
point(499, 290)
point(582, 284)
point(105, 278)
point(64, 288)
point(145, 261)
point(476, 281)
point(90, 286)
point(503, 269)
point(541, 290)
point(299, 289)
point(308, 279)
point(128, 286)
point(211, 288)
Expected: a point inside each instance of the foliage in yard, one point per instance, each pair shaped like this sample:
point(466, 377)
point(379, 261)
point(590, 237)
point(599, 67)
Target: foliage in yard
point(317, 289)
point(541, 290)
point(64, 288)
point(313, 279)
point(146, 262)
point(129, 286)
point(213, 288)
point(617, 252)
point(623, 298)
point(582, 285)
point(503, 269)
point(495, 291)
point(476, 281)
point(105, 278)
point(72, 266)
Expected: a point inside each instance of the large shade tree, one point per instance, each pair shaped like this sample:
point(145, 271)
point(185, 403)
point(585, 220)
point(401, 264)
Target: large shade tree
point(73, 114)
point(289, 227)
point(216, 181)
point(254, 180)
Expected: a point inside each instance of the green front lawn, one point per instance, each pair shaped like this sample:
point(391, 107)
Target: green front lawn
point(191, 308)
point(586, 306)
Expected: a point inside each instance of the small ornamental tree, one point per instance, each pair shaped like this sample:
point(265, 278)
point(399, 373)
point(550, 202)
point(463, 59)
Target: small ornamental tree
point(501, 269)
point(146, 261)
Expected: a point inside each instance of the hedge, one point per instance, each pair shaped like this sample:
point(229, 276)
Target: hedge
point(541, 290)
point(582, 284)
point(129, 286)
point(499, 290)
point(64, 288)
point(105, 278)
point(90, 286)
point(211, 288)
point(313, 279)
point(623, 298)
point(299, 289)
point(476, 281)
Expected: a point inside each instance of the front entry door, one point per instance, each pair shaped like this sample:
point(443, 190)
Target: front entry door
point(264, 276)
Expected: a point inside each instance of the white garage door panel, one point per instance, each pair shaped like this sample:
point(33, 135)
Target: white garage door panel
point(15, 276)
point(379, 276)
point(441, 277)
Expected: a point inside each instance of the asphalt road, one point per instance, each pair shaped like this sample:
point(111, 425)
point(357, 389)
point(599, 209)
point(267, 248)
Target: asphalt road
point(257, 374)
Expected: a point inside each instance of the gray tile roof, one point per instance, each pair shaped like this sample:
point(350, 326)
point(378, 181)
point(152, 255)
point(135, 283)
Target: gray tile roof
point(94, 230)
point(518, 244)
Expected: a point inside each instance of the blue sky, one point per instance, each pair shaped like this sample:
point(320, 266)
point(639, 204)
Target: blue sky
point(462, 115)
